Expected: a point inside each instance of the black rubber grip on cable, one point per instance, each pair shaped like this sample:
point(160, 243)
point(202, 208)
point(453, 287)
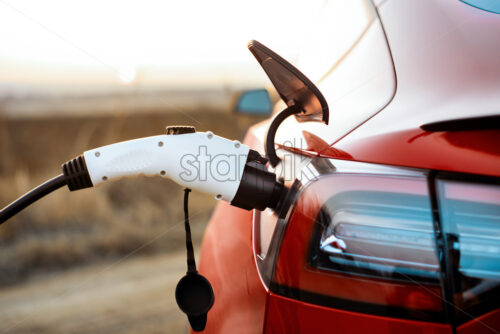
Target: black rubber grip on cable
point(77, 175)
point(191, 262)
point(31, 197)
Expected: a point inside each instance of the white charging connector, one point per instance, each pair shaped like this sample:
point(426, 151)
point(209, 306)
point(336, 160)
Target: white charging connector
point(198, 160)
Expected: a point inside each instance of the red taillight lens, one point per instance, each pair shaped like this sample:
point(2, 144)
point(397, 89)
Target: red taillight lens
point(363, 242)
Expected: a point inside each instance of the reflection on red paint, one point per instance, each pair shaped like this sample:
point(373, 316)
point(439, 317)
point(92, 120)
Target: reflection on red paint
point(429, 150)
point(318, 145)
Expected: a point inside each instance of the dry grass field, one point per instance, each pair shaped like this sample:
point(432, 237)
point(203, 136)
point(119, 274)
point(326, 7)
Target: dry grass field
point(129, 220)
point(135, 295)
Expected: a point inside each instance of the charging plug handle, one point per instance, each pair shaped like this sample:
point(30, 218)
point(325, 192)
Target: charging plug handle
point(254, 187)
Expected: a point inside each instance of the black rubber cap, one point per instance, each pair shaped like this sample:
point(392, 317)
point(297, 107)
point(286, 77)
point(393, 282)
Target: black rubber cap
point(195, 297)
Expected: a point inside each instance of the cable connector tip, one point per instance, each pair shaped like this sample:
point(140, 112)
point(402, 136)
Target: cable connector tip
point(76, 173)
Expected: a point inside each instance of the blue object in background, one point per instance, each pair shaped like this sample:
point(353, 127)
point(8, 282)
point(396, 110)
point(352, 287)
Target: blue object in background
point(254, 102)
point(487, 5)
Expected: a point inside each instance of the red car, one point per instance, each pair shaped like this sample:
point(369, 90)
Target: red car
point(392, 218)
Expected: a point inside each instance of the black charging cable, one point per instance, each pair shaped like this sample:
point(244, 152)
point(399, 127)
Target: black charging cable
point(75, 175)
point(32, 196)
point(274, 160)
point(191, 262)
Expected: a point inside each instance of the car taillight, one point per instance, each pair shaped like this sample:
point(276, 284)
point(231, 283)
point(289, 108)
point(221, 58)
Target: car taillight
point(470, 219)
point(363, 242)
point(382, 240)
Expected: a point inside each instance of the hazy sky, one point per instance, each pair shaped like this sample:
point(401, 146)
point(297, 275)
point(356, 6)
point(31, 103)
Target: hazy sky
point(117, 42)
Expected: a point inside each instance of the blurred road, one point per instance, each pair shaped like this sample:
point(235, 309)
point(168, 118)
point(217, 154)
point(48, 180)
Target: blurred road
point(132, 296)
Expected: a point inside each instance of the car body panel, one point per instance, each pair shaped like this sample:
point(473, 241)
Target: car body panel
point(227, 262)
point(431, 62)
point(455, 44)
point(487, 323)
point(476, 152)
point(445, 69)
point(286, 315)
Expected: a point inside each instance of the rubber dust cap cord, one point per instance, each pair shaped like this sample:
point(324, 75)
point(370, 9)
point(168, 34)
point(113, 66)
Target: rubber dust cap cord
point(194, 293)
